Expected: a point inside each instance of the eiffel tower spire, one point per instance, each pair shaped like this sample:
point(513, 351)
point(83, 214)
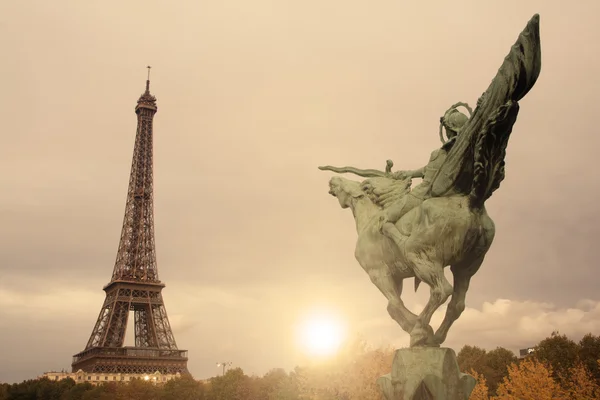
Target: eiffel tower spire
point(134, 285)
point(136, 257)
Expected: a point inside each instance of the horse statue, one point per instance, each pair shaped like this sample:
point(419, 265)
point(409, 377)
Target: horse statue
point(446, 223)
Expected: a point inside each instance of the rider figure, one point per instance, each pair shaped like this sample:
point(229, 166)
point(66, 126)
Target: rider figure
point(453, 121)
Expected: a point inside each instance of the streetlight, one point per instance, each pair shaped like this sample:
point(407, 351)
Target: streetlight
point(224, 365)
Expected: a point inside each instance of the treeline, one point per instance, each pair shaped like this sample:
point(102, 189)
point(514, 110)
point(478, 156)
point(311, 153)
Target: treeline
point(559, 369)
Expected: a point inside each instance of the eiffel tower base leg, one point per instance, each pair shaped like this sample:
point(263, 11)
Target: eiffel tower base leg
point(426, 373)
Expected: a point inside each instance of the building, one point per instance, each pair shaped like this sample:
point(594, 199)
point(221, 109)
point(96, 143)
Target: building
point(98, 378)
point(528, 352)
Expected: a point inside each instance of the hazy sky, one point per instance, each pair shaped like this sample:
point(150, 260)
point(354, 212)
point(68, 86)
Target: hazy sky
point(252, 97)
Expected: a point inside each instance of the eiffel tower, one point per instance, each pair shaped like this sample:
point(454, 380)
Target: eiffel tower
point(135, 285)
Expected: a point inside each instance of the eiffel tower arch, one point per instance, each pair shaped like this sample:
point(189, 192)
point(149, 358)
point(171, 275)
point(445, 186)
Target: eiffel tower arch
point(134, 285)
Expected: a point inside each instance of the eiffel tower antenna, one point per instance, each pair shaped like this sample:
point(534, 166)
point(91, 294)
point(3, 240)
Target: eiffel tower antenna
point(148, 80)
point(135, 285)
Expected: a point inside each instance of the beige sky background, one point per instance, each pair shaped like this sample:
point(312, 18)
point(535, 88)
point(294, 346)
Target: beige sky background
point(252, 97)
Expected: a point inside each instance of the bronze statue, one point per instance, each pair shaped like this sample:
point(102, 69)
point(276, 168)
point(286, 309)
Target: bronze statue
point(405, 233)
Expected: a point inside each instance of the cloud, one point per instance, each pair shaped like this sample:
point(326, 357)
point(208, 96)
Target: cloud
point(181, 323)
point(507, 323)
point(55, 304)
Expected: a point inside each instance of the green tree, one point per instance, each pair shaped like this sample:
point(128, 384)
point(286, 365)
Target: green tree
point(471, 358)
point(234, 385)
point(76, 392)
point(64, 386)
point(4, 391)
point(26, 390)
point(184, 388)
point(105, 391)
point(560, 352)
point(138, 389)
point(589, 354)
point(268, 386)
point(287, 389)
point(46, 389)
point(496, 363)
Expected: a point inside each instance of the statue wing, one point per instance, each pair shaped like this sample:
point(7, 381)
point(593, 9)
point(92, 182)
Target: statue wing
point(384, 191)
point(514, 79)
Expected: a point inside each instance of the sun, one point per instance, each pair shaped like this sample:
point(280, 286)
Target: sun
point(321, 334)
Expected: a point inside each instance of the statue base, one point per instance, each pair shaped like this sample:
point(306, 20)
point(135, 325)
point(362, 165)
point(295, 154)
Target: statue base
point(426, 373)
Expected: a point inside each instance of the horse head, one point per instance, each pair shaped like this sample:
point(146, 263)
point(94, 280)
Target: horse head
point(345, 190)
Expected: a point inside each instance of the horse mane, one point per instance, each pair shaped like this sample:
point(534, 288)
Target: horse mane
point(384, 192)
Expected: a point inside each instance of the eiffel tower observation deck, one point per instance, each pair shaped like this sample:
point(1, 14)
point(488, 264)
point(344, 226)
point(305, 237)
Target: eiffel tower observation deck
point(135, 285)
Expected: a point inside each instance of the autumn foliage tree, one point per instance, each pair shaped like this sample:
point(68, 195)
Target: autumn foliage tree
point(480, 391)
point(359, 370)
point(579, 384)
point(352, 374)
point(530, 379)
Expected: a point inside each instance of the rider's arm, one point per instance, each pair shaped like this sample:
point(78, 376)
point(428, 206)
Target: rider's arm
point(417, 173)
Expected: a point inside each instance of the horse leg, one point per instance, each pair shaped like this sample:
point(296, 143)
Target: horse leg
point(462, 272)
point(432, 273)
point(391, 287)
point(396, 306)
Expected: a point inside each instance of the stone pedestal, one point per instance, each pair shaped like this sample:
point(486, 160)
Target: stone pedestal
point(426, 373)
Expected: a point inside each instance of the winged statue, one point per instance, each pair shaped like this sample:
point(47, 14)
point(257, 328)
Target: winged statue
point(406, 232)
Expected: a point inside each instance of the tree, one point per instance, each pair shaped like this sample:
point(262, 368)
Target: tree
point(589, 354)
point(558, 351)
point(268, 386)
point(579, 384)
point(4, 391)
point(287, 389)
point(76, 392)
point(351, 375)
point(496, 363)
point(317, 381)
point(137, 389)
point(46, 389)
point(105, 391)
point(65, 386)
point(291, 388)
point(480, 391)
point(234, 385)
point(529, 380)
point(25, 390)
point(184, 388)
point(491, 365)
point(471, 358)
point(358, 378)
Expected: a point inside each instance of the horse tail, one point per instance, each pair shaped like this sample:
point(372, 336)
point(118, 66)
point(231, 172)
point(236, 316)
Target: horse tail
point(489, 153)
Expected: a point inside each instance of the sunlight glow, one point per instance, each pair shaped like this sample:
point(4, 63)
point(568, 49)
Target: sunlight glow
point(321, 334)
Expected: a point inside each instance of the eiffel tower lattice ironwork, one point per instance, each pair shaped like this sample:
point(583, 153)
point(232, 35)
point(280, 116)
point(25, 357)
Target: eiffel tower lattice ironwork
point(135, 285)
